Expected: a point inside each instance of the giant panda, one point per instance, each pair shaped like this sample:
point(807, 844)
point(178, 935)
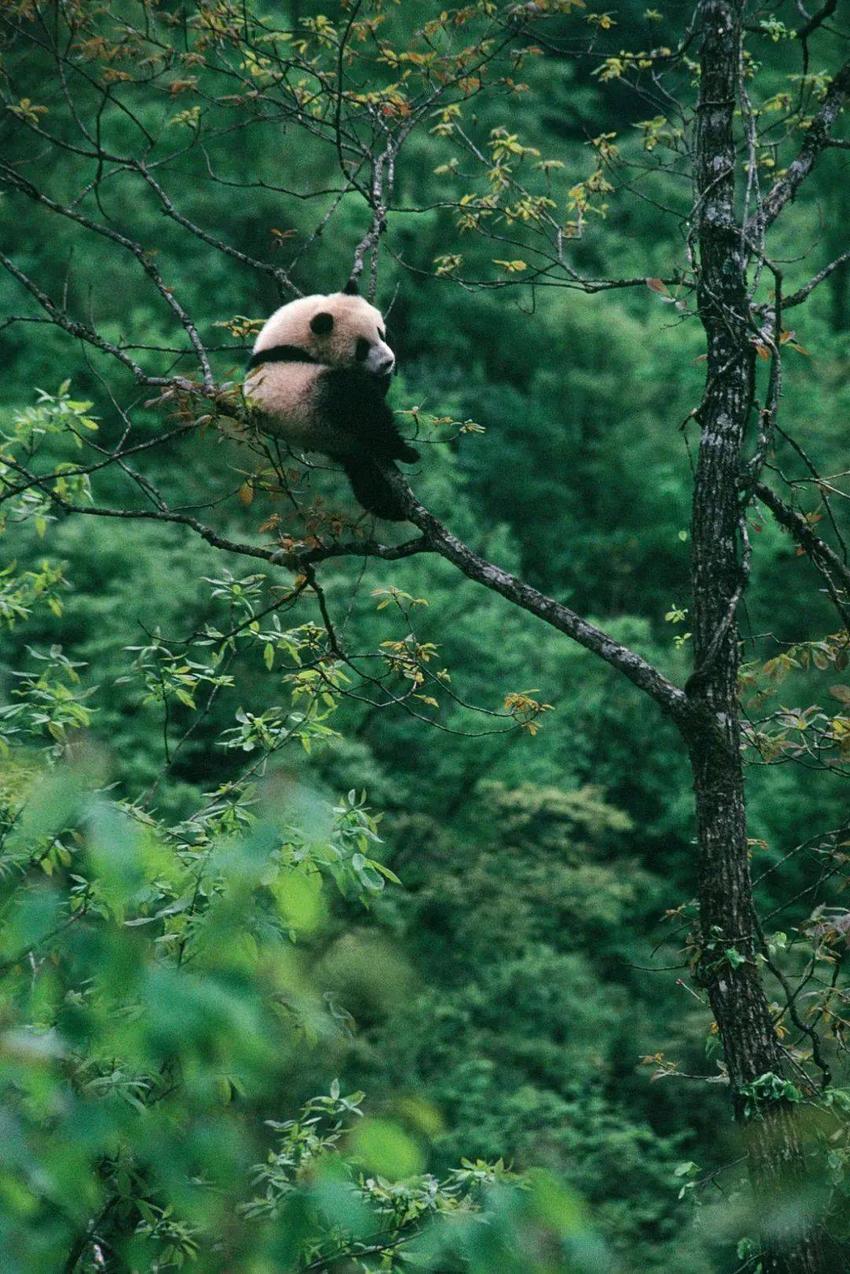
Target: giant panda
point(319, 371)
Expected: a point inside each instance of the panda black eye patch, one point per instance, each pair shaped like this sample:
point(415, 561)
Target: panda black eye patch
point(382, 334)
point(361, 349)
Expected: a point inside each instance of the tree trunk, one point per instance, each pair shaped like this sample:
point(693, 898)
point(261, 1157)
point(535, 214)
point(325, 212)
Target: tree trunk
point(728, 932)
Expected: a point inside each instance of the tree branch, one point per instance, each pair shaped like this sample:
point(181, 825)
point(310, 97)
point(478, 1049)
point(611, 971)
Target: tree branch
point(280, 276)
point(817, 139)
point(438, 539)
point(803, 293)
point(294, 559)
point(816, 20)
point(143, 256)
point(82, 332)
point(639, 671)
point(799, 528)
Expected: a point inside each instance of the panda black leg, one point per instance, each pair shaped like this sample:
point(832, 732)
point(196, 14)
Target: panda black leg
point(371, 488)
point(402, 450)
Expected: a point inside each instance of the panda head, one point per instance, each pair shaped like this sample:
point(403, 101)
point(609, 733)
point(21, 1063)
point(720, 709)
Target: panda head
point(339, 330)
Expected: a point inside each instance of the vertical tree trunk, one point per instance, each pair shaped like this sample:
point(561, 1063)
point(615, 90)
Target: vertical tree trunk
point(734, 986)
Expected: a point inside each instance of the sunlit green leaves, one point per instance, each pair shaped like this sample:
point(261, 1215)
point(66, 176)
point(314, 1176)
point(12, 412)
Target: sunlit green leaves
point(22, 591)
point(52, 414)
point(168, 675)
point(50, 701)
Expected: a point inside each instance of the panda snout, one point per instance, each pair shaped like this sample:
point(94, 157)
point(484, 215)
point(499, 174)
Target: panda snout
point(385, 367)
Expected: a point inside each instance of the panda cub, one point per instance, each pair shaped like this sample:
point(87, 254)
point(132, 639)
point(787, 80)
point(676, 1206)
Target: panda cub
point(320, 371)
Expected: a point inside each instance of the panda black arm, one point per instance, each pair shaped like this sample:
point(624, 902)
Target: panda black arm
point(353, 402)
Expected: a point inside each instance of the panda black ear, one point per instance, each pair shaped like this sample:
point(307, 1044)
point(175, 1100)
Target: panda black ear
point(351, 288)
point(321, 323)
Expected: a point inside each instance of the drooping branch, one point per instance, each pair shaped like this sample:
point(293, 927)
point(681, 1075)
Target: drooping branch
point(639, 671)
point(280, 276)
point(834, 572)
point(792, 521)
point(14, 179)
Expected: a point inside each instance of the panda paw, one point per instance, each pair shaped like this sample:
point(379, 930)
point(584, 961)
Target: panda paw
point(408, 454)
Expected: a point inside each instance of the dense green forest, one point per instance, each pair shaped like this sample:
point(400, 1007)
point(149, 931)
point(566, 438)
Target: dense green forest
point(389, 962)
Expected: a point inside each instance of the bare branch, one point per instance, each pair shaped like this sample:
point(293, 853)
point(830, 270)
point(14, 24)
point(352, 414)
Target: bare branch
point(280, 276)
point(825, 561)
point(803, 533)
point(816, 141)
point(817, 20)
point(144, 258)
point(802, 294)
point(632, 665)
point(118, 456)
point(62, 319)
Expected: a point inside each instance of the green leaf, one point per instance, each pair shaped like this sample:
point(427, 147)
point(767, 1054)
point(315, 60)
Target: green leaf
point(385, 871)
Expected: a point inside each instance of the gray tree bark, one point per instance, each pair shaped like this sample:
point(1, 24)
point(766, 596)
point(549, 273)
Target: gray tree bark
point(727, 920)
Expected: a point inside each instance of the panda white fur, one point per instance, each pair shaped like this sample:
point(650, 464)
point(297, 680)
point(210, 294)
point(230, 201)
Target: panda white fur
point(320, 371)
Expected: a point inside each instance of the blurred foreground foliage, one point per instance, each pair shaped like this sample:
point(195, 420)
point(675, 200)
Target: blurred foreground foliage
point(158, 995)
